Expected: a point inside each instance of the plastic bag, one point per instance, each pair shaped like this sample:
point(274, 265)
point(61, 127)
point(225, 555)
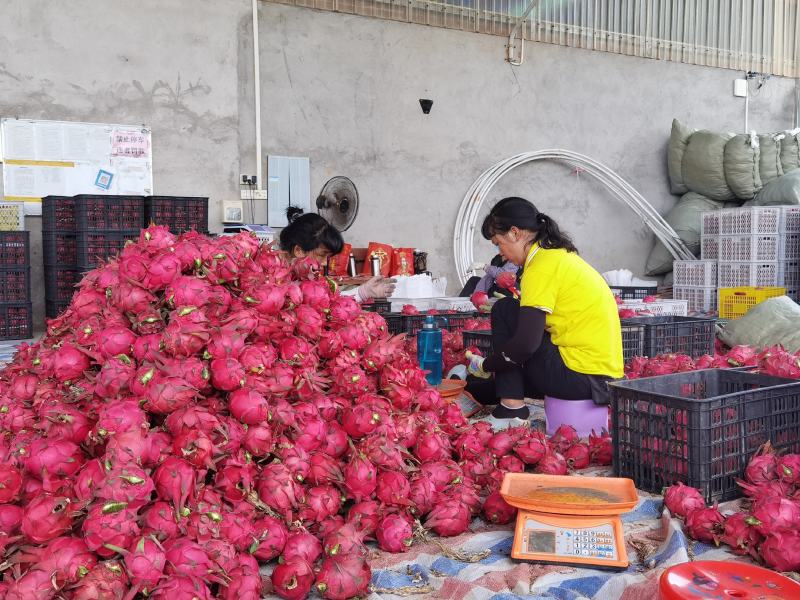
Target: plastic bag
point(741, 161)
point(774, 321)
point(703, 165)
point(337, 264)
point(677, 146)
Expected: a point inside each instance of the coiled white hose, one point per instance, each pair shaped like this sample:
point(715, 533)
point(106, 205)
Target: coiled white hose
point(466, 222)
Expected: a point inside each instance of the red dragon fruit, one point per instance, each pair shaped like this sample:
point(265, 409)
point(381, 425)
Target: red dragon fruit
point(36, 584)
point(126, 483)
point(342, 577)
point(772, 514)
point(497, 510)
point(742, 356)
point(303, 545)
point(564, 437)
point(511, 464)
point(271, 535)
point(365, 516)
point(781, 551)
point(10, 483)
point(394, 533)
point(159, 520)
point(249, 406)
point(69, 363)
point(360, 477)
point(186, 557)
point(763, 466)
point(393, 488)
point(10, 518)
point(680, 499)
point(182, 587)
point(577, 456)
point(323, 501)
point(601, 449)
point(344, 540)
point(292, 579)
point(245, 584)
point(788, 468)
point(448, 518)
point(740, 536)
point(106, 580)
point(108, 526)
point(552, 463)
point(175, 480)
point(704, 524)
point(47, 517)
point(277, 488)
point(531, 450)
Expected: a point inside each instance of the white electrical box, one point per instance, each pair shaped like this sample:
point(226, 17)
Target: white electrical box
point(740, 88)
point(288, 183)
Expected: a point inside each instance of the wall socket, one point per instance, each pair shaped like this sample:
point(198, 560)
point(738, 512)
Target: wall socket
point(253, 194)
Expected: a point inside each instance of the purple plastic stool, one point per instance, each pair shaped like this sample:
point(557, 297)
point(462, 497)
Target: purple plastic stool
point(583, 415)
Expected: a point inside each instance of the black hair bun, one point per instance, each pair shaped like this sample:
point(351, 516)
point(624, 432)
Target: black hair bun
point(293, 212)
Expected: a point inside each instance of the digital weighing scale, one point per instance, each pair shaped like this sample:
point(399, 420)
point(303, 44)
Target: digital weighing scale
point(571, 520)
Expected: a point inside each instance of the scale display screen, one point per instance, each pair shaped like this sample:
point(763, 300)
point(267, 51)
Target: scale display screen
point(594, 543)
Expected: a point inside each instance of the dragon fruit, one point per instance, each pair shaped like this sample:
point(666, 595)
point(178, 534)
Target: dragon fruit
point(292, 580)
point(393, 488)
point(601, 449)
point(342, 577)
point(763, 466)
point(788, 468)
point(740, 536)
point(704, 524)
point(511, 464)
point(106, 580)
point(109, 525)
point(47, 517)
point(552, 463)
point(772, 515)
point(60, 458)
point(394, 533)
point(564, 437)
point(10, 483)
point(781, 551)
point(680, 499)
point(271, 535)
point(302, 545)
point(742, 356)
point(145, 562)
point(365, 516)
point(577, 456)
point(160, 521)
point(497, 510)
point(449, 518)
point(175, 480)
point(531, 450)
point(343, 541)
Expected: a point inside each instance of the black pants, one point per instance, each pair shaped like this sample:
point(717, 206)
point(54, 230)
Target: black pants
point(544, 374)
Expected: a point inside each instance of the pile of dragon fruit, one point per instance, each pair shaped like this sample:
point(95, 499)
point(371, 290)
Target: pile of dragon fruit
point(203, 409)
point(767, 528)
point(770, 361)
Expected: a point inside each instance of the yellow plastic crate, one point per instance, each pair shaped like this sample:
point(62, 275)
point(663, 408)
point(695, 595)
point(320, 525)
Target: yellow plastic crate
point(735, 302)
point(11, 216)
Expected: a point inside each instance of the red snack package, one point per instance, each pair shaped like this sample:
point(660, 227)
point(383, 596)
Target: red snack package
point(337, 264)
point(402, 261)
point(384, 254)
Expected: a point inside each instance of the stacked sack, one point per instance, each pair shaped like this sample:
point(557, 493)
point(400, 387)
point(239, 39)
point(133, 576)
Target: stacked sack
point(712, 171)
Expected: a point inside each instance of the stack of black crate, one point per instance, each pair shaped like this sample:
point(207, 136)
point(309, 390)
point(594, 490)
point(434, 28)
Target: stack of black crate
point(16, 312)
point(78, 234)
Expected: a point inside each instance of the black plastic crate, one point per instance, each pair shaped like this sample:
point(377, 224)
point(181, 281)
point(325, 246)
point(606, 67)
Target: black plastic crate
point(395, 322)
point(16, 321)
point(60, 249)
point(675, 335)
point(58, 213)
point(179, 213)
point(15, 249)
point(381, 307)
point(633, 340)
point(448, 321)
point(15, 284)
point(59, 283)
point(93, 247)
point(481, 339)
point(108, 213)
point(54, 308)
point(700, 427)
point(633, 292)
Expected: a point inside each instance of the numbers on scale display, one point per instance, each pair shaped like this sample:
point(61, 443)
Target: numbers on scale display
point(595, 543)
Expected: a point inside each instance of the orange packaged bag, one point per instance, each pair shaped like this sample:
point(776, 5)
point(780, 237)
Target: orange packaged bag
point(402, 261)
point(384, 254)
point(337, 264)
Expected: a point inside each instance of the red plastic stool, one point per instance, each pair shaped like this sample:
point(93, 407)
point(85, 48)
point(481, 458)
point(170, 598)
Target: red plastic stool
point(725, 580)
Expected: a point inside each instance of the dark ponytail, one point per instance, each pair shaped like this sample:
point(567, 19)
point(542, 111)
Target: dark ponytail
point(520, 213)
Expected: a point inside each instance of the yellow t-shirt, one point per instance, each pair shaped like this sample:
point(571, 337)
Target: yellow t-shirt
point(582, 316)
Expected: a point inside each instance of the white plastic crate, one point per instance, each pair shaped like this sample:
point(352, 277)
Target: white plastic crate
point(457, 303)
point(710, 223)
point(789, 274)
point(12, 216)
point(790, 246)
point(755, 220)
point(659, 308)
point(700, 299)
point(749, 248)
point(694, 273)
point(790, 219)
point(747, 274)
point(709, 247)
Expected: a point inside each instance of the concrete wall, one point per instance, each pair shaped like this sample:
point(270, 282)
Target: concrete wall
point(344, 91)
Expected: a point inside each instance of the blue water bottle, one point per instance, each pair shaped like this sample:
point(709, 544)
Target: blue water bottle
point(429, 350)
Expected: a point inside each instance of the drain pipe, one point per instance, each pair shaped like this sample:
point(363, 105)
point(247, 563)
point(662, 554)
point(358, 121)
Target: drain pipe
point(257, 82)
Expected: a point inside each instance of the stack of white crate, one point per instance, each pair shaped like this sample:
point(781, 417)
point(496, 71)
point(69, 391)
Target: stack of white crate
point(752, 247)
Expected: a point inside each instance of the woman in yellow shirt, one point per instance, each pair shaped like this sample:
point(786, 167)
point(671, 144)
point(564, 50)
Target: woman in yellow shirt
point(562, 338)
